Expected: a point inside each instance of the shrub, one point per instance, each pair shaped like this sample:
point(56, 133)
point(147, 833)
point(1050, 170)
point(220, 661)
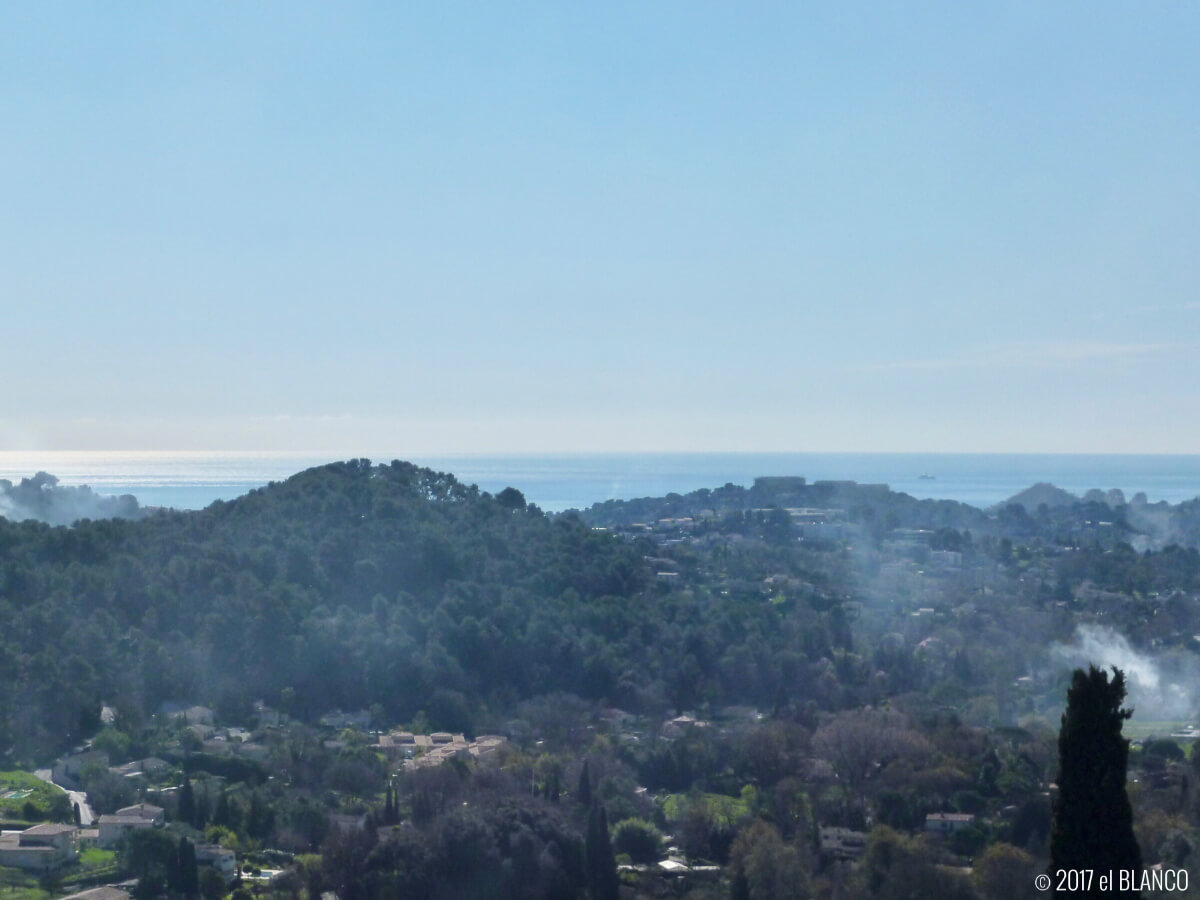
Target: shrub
point(638, 838)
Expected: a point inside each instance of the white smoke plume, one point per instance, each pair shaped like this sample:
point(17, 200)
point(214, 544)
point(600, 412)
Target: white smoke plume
point(1157, 688)
point(42, 498)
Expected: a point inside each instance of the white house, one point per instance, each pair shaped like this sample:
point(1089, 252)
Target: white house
point(114, 828)
point(947, 823)
point(219, 858)
point(40, 848)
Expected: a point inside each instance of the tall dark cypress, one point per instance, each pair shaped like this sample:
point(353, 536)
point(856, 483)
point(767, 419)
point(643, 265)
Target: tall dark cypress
point(1093, 820)
point(739, 887)
point(603, 883)
point(189, 874)
point(583, 793)
point(223, 814)
point(187, 802)
point(174, 868)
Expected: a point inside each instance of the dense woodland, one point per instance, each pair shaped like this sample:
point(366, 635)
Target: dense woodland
point(895, 665)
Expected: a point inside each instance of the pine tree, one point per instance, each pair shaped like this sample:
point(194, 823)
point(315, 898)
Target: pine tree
point(1093, 819)
point(603, 883)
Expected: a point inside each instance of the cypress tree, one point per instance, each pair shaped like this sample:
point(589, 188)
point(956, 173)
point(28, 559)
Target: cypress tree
point(187, 802)
point(174, 868)
point(603, 883)
point(395, 815)
point(223, 814)
point(583, 793)
point(189, 874)
point(739, 887)
point(1093, 819)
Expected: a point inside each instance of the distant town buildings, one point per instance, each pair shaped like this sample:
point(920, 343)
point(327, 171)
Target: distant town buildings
point(947, 823)
point(421, 750)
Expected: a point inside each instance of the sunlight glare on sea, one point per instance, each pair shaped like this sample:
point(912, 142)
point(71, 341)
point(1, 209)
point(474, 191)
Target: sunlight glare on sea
point(194, 479)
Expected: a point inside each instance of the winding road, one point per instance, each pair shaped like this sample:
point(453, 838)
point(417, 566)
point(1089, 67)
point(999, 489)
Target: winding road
point(86, 816)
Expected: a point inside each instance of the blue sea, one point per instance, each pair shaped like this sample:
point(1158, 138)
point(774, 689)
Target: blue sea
point(192, 479)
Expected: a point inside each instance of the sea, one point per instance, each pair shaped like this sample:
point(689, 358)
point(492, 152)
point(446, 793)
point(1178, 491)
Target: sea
point(555, 482)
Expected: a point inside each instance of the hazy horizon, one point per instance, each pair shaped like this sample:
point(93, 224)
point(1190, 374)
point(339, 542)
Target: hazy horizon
point(558, 481)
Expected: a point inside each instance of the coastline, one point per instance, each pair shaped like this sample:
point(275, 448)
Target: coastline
point(194, 479)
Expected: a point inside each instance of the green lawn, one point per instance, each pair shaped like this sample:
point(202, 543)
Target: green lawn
point(95, 858)
point(19, 788)
point(720, 807)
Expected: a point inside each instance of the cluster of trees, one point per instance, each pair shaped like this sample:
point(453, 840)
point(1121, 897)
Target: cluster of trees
point(164, 864)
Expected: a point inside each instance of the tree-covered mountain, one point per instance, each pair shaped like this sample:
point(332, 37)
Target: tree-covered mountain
point(872, 505)
point(354, 585)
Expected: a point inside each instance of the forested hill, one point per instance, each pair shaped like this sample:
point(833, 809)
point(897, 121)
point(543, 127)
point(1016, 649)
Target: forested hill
point(1041, 511)
point(873, 506)
point(394, 587)
point(353, 585)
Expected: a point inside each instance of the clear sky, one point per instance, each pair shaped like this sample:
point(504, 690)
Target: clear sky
point(516, 227)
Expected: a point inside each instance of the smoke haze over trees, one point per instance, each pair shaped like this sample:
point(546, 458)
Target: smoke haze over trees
point(43, 499)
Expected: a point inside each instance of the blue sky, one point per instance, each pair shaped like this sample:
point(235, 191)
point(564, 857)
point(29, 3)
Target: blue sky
point(625, 226)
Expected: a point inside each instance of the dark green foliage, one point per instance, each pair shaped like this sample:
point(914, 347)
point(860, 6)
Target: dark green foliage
point(900, 810)
point(346, 586)
point(183, 876)
point(638, 838)
point(392, 587)
point(601, 863)
point(152, 856)
point(583, 793)
point(187, 803)
point(511, 498)
point(106, 791)
point(391, 812)
point(491, 848)
point(224, 814)
point(1163, 747)
point(969, 841)
point(1093, 819)
point(231, 768)
point(212, 885)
